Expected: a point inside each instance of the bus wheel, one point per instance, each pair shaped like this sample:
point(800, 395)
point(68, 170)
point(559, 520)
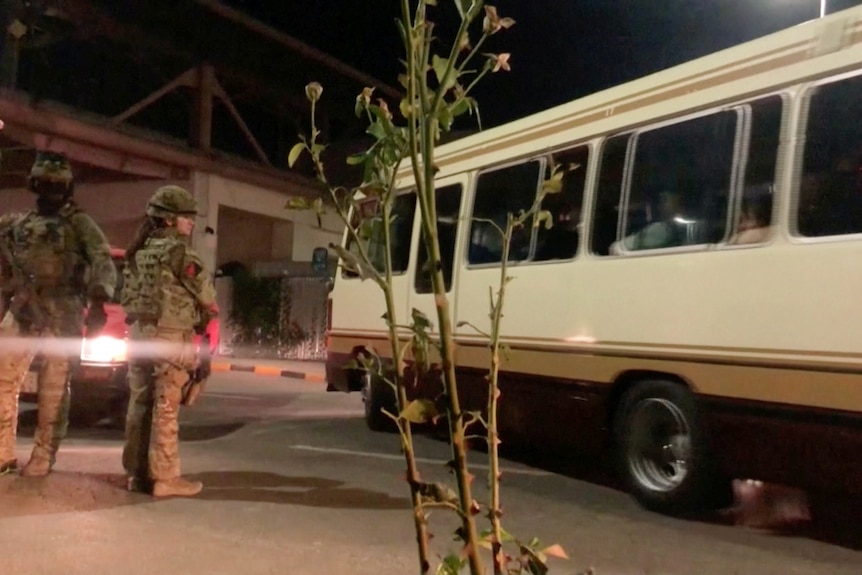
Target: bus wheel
point(663, 453)
point(378, 395)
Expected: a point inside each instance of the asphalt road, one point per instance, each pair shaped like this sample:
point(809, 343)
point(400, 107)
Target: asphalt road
point(294, 484)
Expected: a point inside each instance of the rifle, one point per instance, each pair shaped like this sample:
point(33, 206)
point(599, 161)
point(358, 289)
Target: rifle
point(18, 292)
point(194, 387)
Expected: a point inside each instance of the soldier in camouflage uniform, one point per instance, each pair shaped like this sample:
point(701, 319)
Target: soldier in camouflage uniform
point(45, 254)
point(167, 295)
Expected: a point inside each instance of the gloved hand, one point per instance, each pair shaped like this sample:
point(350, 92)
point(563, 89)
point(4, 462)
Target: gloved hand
point(96, 319)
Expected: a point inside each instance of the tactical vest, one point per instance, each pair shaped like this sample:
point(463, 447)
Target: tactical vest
point(48, 251)
point(153, 293)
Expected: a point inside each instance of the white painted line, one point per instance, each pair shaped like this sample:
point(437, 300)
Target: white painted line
point(514, 471)
point(230, 396)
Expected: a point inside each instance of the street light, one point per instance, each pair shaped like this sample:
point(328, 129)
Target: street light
point(822, 8)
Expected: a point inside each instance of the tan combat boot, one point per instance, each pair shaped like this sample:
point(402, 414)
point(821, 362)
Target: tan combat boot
point(139, 485)
point(10, 466)
point(177, 487)
point(36, 467)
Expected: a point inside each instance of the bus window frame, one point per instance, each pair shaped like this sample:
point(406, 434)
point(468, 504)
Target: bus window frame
point(631, 154)
point(802, 95)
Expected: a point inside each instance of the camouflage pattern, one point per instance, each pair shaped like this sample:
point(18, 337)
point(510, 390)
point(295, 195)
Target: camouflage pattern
point(53, 254)
point(52, 167)
point(169, 294)
point(169, 201)
point(159, 368)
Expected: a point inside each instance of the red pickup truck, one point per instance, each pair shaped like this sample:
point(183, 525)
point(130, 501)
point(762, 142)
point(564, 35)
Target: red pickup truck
point(99, 387)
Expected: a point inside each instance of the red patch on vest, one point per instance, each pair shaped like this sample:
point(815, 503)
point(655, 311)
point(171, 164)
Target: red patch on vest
point(191, 270)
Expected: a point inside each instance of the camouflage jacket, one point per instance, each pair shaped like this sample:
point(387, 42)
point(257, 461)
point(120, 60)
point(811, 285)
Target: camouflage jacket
point(74, 258)
point(167, 284)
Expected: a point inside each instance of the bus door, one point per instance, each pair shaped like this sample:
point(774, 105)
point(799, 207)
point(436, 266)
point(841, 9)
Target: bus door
point(449, 198)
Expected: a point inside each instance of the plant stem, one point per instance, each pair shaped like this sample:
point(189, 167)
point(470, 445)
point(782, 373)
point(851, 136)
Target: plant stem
point(413, 477)
point(495, 511)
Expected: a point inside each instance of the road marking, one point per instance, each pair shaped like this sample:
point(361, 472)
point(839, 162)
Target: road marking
point(514, 471)
point(230, 396)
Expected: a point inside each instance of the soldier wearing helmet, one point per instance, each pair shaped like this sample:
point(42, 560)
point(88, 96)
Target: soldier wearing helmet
point(167, 295)
point(55, 260)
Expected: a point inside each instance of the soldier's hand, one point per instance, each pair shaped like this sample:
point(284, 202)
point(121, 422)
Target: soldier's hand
point(96, 319)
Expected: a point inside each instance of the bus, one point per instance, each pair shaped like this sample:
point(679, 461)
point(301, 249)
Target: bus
point(692, 309)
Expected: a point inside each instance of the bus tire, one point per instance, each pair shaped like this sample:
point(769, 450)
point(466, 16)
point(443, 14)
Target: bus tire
point(378, 395)
point(663, 453)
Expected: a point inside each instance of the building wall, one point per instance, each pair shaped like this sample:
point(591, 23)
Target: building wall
point(266, 231)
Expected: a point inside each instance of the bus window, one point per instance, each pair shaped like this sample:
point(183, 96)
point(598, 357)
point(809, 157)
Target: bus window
point(606, 212)
point(448, 205)
point(561, 241)
point(753, 218)
point(499, 193)
point(680, 184)
point(371, 231)
point(830, 194)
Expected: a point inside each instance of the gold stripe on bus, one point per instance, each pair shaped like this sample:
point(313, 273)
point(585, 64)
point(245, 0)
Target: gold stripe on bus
point(827, 390)
point(810, 358)
point(791, 381)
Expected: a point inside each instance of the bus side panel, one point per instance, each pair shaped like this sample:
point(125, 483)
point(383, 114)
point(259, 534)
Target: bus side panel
point(804, 447)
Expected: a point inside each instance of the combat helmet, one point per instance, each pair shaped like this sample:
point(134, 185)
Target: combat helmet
point(51, 172)
point(171, 201)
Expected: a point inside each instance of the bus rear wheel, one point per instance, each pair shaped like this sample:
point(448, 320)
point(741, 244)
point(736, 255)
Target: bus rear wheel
point(378, 395)
point(663, 454)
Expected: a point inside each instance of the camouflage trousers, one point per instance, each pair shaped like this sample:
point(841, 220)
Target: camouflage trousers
point(159, 363)
point(57, 345)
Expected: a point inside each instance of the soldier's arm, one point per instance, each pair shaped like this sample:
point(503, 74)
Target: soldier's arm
point(198, 279)
point(189, 270)
point(103, 275)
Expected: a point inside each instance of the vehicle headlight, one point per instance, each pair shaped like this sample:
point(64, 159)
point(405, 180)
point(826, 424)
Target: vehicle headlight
point(104, 349)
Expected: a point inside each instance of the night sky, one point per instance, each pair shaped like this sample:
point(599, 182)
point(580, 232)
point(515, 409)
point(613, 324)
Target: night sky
point(561, 49)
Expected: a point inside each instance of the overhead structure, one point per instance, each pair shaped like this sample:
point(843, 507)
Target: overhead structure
point(153, 89)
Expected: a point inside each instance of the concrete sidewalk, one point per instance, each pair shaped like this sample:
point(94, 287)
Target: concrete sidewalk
point(307, 370)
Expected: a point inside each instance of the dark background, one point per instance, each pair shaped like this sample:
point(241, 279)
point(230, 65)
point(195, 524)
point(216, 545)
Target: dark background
point(561, 49)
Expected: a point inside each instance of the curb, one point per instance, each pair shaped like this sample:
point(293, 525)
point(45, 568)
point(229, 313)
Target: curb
point(267, 370)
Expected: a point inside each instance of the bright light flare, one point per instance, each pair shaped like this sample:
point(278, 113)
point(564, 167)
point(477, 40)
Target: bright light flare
point(104, 349)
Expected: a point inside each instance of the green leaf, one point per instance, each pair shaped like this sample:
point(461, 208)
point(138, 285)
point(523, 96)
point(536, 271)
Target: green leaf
point(419, 411)
point(405, 108)
point(544, 217)
point(356, 159)
point(461, 106)
point(298, 203)
point(440, 65)
point(446, 118)
point(451, 565)
point(377, 129)
point(554, 184)
point(294, 154)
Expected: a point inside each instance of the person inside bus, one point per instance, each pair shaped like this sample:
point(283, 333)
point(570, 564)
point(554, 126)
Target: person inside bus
point(561, 241)
point(671, 230)
point(754, 219)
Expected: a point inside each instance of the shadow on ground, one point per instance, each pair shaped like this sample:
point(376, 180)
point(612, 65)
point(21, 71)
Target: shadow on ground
point(266, 487)
point(65, 492)
point(763, 507)
point(189, 431)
